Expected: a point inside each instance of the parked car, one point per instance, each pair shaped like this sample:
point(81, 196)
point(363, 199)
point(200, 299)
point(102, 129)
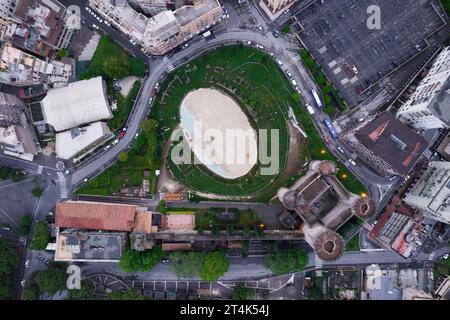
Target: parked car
point(260, 46)
point(352, 162)
point(27, 264)
point(122, 134)
point(260, 28)
point(85, 180)
point(340, 150)
point(392, 178)
point(445, 256)
point(107, 147)
point(165, 260)
point(115, 142)
point(95, 26)
point(107, 23)
point(22, 283)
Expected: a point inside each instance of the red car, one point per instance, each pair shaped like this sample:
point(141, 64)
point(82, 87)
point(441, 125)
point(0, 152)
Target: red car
point(122, 134)
point(154, 92)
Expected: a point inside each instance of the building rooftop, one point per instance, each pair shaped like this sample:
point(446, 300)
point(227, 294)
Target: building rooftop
point(187, 14)
point(78, 103)
point(392, 141)
point(70, 143)
point(95, 215)
point(74, 245)
point(439, 104)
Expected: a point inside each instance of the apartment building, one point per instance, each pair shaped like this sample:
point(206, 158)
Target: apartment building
point(274, 8)
point(427, 107)
point(20, 68)
point(165, 30)
point(431, 193)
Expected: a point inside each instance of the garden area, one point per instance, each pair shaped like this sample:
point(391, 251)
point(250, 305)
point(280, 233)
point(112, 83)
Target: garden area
point(353, 243)
point(131, 168)
point(330, 94)
point(255, 81)
point(236, 71)
point(10, 173)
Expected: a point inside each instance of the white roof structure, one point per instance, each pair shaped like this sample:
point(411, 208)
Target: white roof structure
point(72, 142)
point(78, 103)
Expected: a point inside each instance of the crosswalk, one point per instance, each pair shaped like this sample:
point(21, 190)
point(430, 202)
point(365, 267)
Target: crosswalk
point(354, 156)
point(294, 58)
point(62, 185)
point(318, 262)
point(431, 257)
point(337, 127)
point(170, 66)
point(39, 170)
point(367, 226)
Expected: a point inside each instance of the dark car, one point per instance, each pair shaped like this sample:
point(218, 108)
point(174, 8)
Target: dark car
point(165, 260)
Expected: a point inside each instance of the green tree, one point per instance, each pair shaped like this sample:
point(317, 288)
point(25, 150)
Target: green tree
point(162, 207)
point(285, 29)
point(214, 265)
point(240, 292)
point(8, 262)
point(41, 236)
point(126, 295)
point(135, 261)
point(86, 292)
point(30, 293)
point(51, 281)
point(296, 97)
point(283, 262)
point(443, 267)
point(37, 192)
point(186, 264)
point(123, 157)
point(25, 224)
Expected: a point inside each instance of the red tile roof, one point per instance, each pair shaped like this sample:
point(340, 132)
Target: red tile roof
point(95, 215)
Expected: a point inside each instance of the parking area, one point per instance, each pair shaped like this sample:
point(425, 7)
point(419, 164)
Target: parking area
point(354, 57)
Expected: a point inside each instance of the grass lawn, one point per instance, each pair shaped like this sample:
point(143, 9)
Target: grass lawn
point(124, 106)
point(353, 243)
point(111, 62)
point(347, 227)
point(265, 94)
point(446, 4)
point(252, 79)
point(207, 218)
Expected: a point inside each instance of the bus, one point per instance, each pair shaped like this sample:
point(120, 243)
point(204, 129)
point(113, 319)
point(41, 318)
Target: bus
point(316, 98)
point(330, 128)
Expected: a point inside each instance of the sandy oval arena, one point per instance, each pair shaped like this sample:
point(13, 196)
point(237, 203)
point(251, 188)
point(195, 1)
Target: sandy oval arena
point(219, 133)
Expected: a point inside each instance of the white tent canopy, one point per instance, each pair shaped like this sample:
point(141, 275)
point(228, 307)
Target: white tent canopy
point(78, 103)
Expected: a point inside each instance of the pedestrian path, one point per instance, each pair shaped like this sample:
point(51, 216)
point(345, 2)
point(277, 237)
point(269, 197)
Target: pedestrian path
point(62, 185)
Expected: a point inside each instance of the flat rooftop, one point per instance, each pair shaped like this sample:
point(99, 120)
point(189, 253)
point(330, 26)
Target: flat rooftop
point(80, 246)
point(336, 33)
point(393, 141)
point(187, 14)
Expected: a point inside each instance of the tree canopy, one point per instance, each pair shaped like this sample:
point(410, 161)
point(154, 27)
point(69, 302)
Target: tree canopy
point(41, 236)
point(51, 281)
point(186, 264)
point(8, 261)
point(126, 295)
point(240, 292)
point(135, 261)
point(283, 262)
point(25, 224)
point(214, 265)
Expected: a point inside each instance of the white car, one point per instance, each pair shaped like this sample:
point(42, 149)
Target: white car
point(95, 26)
point(260, 28)
point(279, 62)
point(107, 23)
point(22, 283)
point(87, 9)
point(27, 264)
point(86, 180)
point(352, 162)
point(289, 74)
point(340, 150)
point(259, 46)
point(99, 19)
point(115, 142)
point(107, 147)
point(136, 135)
point(445, 256)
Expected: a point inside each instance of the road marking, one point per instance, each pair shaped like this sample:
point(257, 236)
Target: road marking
point(62, 185)
point(15, 183)
point(7, 216)
point(318, 262)
point(170, 67)
point(367, 226)
point(431, 257)
point(39, 170)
